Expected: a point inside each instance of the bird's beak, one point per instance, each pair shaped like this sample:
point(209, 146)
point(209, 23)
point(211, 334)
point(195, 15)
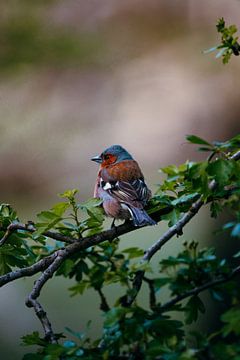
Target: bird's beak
point(97, 159)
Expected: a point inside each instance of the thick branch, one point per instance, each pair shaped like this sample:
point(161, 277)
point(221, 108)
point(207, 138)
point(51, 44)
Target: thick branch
point(51, 263)
point(70, 249)
point(78, 245)
point(41, 265)
point(197, 290)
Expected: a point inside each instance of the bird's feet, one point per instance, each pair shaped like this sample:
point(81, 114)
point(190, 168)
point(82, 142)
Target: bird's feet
point(128, 221)
point(113, 226)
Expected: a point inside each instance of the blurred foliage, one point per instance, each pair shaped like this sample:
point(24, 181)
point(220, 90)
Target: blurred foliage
point(137, 332)
point(29, 38)
point(229, 42)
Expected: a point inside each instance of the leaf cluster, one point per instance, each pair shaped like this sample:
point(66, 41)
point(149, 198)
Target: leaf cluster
point(135, 331)
point(229, 42)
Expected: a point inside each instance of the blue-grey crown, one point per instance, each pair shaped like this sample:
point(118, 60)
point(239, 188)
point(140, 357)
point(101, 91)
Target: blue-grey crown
point(119, 151)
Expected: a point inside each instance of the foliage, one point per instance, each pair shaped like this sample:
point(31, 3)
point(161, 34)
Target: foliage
point(132, 331)
point(30, 37)
point(229, 42)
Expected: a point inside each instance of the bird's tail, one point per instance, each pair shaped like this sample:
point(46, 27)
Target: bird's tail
point(140, 217)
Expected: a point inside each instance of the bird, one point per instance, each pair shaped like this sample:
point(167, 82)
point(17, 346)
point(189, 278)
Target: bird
point(121, 187)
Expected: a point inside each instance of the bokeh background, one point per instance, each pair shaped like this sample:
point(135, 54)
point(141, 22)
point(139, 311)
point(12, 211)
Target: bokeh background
point(78, 76)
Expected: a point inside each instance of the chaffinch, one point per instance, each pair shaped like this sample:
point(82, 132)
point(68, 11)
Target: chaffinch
point(121, 186)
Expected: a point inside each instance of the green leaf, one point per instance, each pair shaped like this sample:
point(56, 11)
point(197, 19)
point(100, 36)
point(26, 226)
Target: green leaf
point(66, 268)
point(215, 209)
point(173, 217)
point(91, 203)
point(194, 305)
point(217, 295)
point(32, 356)
point(170, 170)
point(220, 170)
point(114, 315)
point(4, 267)
point(237, 255)
point(79, 288)
point(161, 282)
point(236, 231)
point(46, 221)
point(235, 141)
point(79, 353)
point(69, 194)
point(214, 48)
point(220, 25)
point(231, 318)
point(228, 225)
point(69, 344)
point(77, 334)
point(95, 212)
point(60, 208)
point(185, 198)
point(197, 140)
point(133, 252)
point(47, 216)
point(33, 339)
point(221, 52)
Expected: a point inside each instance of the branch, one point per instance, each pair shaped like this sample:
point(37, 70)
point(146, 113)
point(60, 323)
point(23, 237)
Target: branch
point(197, 290)
point(41, 265)
point(32, 298)
point(103, 305)
point(176, 229)
point(51, 263)
point(173, 230)
point(152, 296)
point(235, 156)
point(10, 229)
point(73, 247)
point(29, 227)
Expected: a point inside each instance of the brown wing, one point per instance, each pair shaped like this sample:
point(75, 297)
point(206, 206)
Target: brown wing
point(135, 193)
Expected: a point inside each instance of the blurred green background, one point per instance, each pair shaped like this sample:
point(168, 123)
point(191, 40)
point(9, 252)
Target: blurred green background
point(78, 76)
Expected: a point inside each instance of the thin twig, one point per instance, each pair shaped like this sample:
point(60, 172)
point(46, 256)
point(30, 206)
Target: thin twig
point(32, 297)
point(103, 305)
point(10, 229)
point(172, 231)
point(51, 263)
point(197, 290)
point(70, 249)
point(235, 156)
point(110, 234)
point(30, 228)
point(152, 295)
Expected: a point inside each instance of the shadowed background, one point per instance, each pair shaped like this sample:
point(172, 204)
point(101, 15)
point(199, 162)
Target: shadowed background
point(78, 76)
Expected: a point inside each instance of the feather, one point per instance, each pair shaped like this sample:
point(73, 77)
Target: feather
point(125, 185)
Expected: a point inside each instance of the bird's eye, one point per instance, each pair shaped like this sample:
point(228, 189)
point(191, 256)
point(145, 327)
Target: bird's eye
point(106, 157)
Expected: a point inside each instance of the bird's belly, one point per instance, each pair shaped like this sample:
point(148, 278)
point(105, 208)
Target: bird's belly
point(115, 209)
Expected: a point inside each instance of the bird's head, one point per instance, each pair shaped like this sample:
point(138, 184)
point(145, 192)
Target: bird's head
point(112, 155)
